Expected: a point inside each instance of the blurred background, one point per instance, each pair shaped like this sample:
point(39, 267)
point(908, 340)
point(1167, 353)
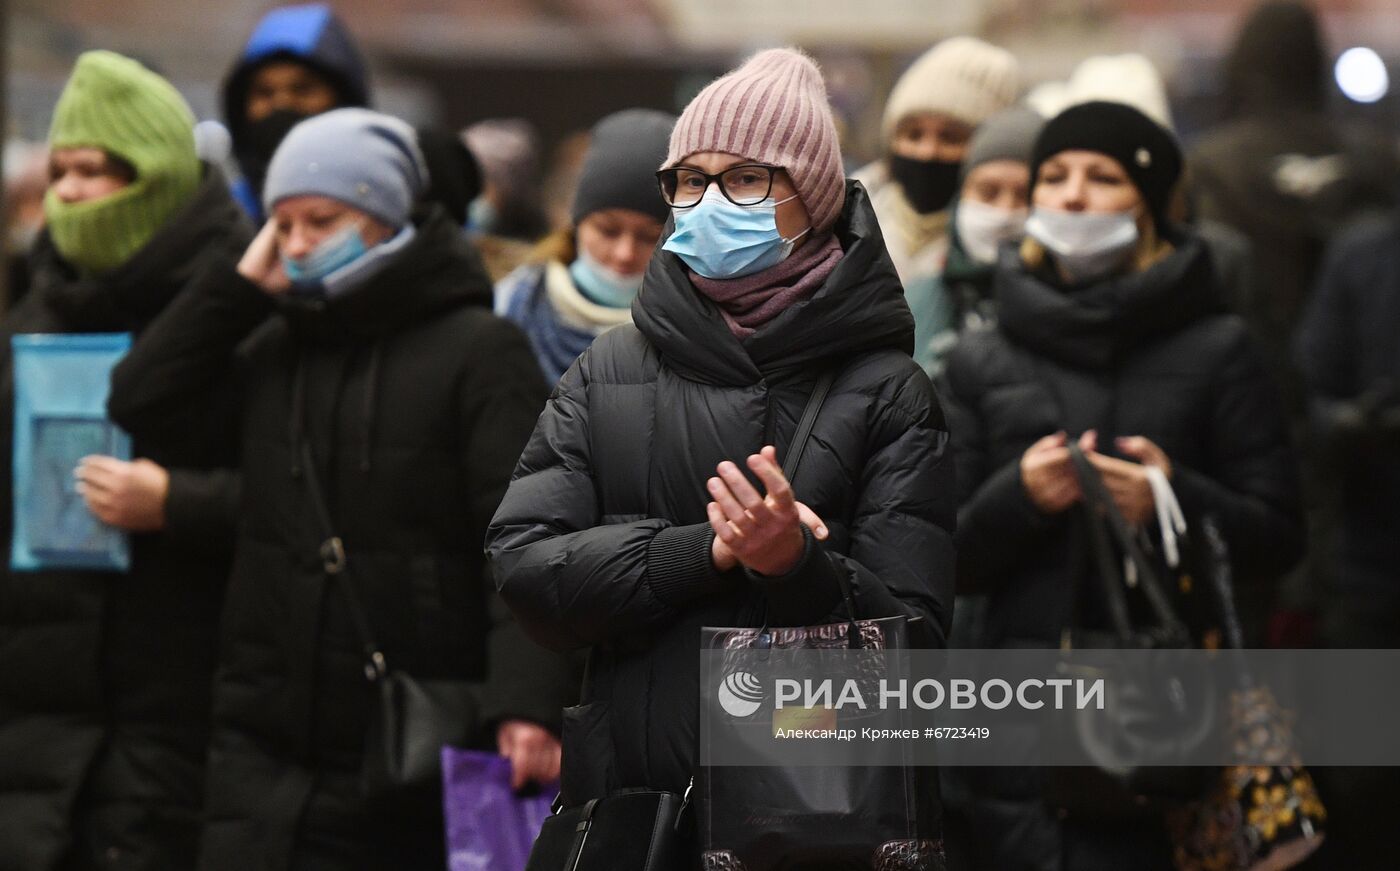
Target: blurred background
point(561, 64)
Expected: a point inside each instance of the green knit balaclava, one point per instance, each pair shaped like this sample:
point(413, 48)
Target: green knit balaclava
point(115, 104)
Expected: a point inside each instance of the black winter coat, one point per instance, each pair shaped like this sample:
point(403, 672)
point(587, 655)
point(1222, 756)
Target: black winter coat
point(104, 690)
point(603, 540)
point(1289, 181)
point(1147, 354)
point(416, 401)
point(1349, 356)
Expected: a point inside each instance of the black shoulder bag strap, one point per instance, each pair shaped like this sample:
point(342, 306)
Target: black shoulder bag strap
point(793, 460)
point(803, 433)
point(791, 463)
point(334, 564)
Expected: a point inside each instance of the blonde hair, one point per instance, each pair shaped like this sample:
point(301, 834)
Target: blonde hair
point(1151, 249)
point(560, 245)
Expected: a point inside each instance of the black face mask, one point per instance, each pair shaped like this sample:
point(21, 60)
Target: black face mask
point(929, 185)
point(258, 140)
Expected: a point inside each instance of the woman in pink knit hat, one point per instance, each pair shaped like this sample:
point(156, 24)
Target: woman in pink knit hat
point(650, 501)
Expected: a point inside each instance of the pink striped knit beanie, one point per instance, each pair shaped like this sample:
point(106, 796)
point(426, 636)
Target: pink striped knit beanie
point(774, 110)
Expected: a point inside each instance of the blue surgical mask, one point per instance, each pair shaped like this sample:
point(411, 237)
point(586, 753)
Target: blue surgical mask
point(1087, 246)
point(341, 248)
point(718, 239)
point(603, 285)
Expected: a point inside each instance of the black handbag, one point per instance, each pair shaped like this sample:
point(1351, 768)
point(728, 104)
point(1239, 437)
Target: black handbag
point(634, 830)
point(412, 719)
point(870, 817)
point(866, 818)
point(1153, 715)
point(627, 830)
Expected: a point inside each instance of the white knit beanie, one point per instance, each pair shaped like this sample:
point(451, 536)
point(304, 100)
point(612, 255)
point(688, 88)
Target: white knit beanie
point(964, 77)
point(1122, 78)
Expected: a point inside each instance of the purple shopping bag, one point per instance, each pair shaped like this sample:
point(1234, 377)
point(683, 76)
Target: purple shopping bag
point(489, 827)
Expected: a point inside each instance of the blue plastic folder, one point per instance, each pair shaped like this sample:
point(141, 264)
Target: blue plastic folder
point(61, 386)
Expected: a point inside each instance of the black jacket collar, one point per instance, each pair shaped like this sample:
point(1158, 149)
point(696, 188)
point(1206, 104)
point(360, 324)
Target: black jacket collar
point(1093, 326)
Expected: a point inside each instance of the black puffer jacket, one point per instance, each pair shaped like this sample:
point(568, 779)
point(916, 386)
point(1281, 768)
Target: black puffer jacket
point(1145, 354)
point(104, 690)
point(417, 402)
point(1148, 354)
point(602, 538)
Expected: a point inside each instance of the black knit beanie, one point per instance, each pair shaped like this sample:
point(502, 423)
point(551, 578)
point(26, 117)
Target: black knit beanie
point(1147, 152)
point(619, 170)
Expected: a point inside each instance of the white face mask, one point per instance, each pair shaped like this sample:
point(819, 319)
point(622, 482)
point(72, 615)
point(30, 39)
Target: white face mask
point(981, 228)
point(1087, 246)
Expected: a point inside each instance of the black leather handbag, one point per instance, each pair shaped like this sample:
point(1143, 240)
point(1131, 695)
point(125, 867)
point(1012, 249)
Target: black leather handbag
point(1153, 715)
point(412, 719)
point(632, 830)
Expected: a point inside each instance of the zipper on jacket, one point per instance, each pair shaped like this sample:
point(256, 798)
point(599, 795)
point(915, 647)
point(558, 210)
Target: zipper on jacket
point(296, 420)
point(367, 409)
point(769, 423)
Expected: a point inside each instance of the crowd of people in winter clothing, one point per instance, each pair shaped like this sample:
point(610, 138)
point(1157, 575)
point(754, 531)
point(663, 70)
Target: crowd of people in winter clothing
point(546, 457)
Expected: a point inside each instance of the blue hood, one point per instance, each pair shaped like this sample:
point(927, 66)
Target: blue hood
point(310, 34)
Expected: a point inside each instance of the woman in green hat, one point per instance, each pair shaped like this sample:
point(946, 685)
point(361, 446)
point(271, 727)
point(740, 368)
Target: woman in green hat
point(104, 698)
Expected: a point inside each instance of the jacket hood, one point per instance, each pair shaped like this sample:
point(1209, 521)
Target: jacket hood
point(311, 35)
point(438, 270)
point(132, 295)
point(860, 308)
point(1095, 325)
point(1278, 62)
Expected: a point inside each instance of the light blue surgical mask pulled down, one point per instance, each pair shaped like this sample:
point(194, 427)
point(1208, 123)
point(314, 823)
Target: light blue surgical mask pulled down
point(339, 249)
point(718, 239)
point(1087, 246)
point(602, 285)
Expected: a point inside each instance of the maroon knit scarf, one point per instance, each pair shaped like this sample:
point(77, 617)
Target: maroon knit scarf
point(750, 302)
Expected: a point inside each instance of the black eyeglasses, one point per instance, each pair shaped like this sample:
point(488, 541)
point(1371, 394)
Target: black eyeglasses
point(745, 185)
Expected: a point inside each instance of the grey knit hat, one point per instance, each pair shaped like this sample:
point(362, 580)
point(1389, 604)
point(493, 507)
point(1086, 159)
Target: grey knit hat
point(1008, 135)
point(619, 170)
point(365, 159)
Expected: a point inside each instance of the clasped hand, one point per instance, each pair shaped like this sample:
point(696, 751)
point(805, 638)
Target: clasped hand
point(763, 533)
point(1048, 474)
